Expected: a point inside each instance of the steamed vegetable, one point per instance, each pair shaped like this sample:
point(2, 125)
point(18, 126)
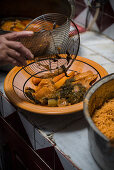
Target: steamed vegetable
point(86, 81)
point(17, 25)
point(36, 81)
point(61, 90)
point(59, 83)
point(57, 78)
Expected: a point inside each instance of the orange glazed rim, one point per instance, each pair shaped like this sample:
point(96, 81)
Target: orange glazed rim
point(35, 108)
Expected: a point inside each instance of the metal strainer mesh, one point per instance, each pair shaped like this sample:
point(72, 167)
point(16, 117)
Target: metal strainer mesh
point(52, 37)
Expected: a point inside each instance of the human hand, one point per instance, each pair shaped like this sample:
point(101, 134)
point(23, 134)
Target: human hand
point(14, 52)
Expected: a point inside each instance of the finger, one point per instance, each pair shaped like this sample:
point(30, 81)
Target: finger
point(15, 35)
point(11, 61)
point(19, 47)
point(17, 56)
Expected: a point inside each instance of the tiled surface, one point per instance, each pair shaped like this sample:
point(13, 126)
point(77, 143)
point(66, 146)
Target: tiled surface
point(98, 48)
point(84, 14)
point(110, 31)
point(69, 133)
point(88, 53)
point(109, 67)
point(65, 162)
point(8, 109)
point(2, 78)
point(29, 128)
point(52, 124)
point(73, 141)
point(40, 140)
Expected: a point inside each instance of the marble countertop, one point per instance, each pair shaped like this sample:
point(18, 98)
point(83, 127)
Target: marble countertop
point(69, 133)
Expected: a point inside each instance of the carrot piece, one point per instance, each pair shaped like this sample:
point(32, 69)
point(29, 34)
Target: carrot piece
point(59, 83)
point(58, 77)
point(36, 81)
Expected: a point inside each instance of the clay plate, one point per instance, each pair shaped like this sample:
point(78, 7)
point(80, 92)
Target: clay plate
point(16, 96)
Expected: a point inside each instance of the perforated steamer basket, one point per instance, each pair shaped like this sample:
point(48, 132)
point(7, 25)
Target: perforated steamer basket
point(52, 37)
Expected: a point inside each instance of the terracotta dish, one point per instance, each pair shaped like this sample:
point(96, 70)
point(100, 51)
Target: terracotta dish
point(20, 76)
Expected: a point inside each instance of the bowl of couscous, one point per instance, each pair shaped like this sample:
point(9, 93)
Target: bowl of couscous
point(99, 113)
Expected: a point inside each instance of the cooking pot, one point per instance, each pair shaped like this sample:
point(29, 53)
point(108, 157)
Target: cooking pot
point(35, 8)
point(101, 148)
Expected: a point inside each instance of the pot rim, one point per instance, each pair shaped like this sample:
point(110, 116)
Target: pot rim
point(87, 97)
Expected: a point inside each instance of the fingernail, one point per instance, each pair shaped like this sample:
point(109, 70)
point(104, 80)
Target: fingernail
point(32, 56)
